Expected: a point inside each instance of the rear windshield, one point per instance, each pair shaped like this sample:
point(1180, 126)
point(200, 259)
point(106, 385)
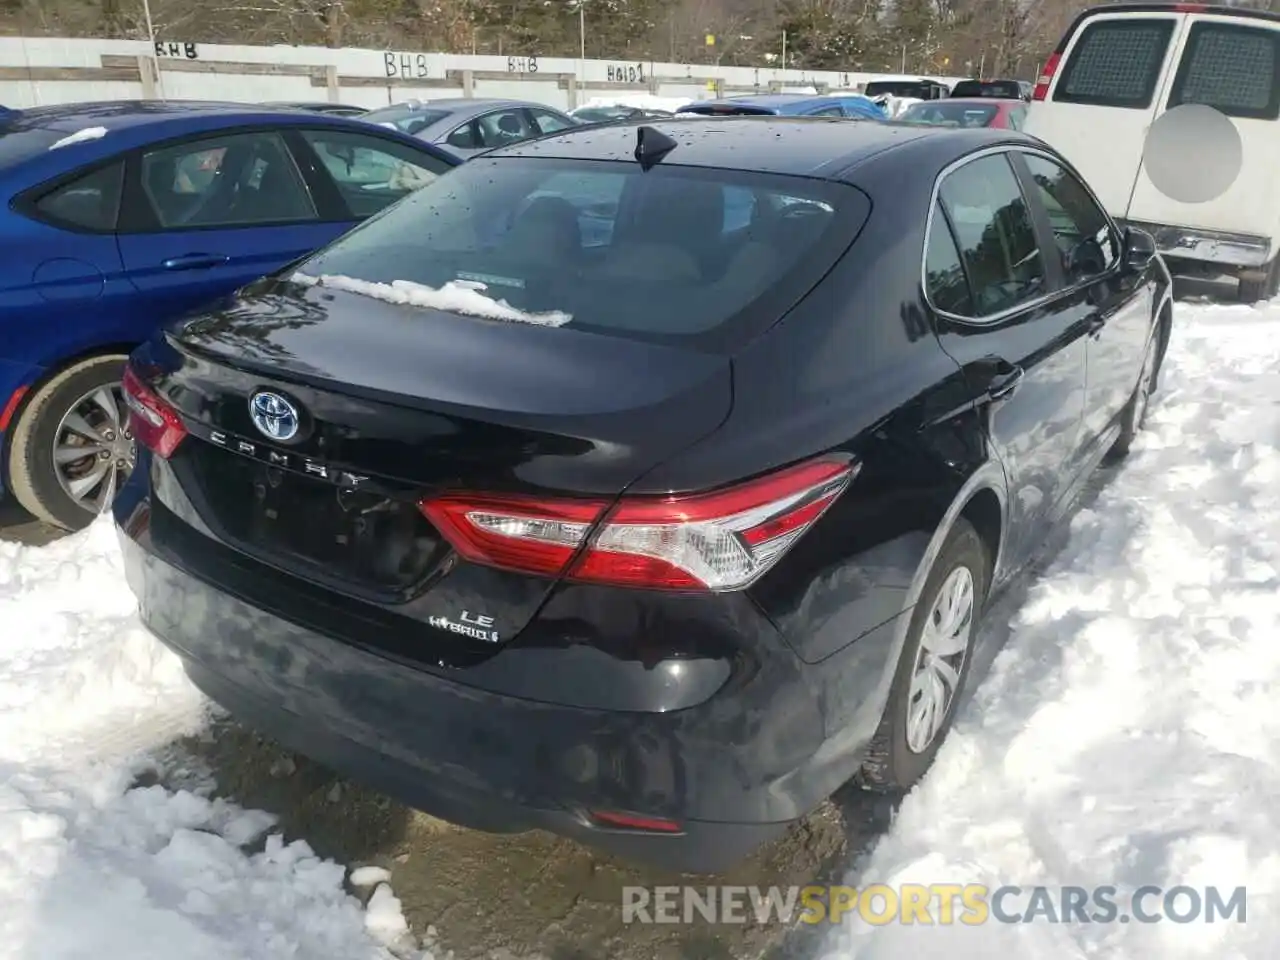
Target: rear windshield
point(1232, 68)
point(727, 110)
point(409, 120)
point(1115, 63)
point(944, 114)
point(675, 254)
point(602, 114)
point(899, 88)
point(19, 142)
point(1005, 89)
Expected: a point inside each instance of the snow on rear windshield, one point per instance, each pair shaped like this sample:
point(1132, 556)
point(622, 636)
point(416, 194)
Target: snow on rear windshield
point(672, 252)
point(80, 136)
point(457, 296)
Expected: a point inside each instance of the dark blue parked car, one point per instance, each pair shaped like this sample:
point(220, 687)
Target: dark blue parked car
point(119, 216)
point(789, 105)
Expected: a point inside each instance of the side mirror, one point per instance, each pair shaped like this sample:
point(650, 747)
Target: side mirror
point(1139, 248)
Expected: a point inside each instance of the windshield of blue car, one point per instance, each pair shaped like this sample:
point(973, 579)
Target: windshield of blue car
point(943, 114)
point(660, 255)
point(410, 120)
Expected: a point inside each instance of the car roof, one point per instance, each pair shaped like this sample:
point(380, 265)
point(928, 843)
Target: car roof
point(770, 101)
point(824, 147)
point(452, 104)
point(130, 124)
point(1216, 9)
point(313, 105)
point(125, 114)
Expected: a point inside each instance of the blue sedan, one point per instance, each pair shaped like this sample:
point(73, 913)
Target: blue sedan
point(789, 105)
point(117, 217)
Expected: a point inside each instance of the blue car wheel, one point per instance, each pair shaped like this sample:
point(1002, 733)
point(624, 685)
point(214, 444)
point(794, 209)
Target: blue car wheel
point(71, 448)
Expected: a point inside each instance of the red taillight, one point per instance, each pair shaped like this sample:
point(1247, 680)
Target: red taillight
point(630, 821)
point(1046, 77)
point(154, 423)
point(717, 541)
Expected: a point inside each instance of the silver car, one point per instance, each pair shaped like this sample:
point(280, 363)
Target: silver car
point(466, 126)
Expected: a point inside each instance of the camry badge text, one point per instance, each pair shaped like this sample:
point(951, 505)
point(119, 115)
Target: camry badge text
point(287, 461)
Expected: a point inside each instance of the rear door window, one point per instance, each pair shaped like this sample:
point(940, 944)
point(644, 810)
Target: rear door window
point(649, 255)
point(1231, 67)
point(994, 232)
point(238, 180)
point(1116, 63)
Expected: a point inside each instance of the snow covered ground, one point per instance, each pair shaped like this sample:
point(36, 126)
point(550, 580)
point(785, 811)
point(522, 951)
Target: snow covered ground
point(91, 866)
point(1128, 732)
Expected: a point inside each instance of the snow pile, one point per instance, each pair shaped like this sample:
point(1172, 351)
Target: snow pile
point(80, 136)
point(91, 866)
point(457, 296)
point(1128, 733)
point(638, 101)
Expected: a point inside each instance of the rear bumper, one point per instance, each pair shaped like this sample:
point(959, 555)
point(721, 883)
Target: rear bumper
point(1221, 248)
point(734, 771)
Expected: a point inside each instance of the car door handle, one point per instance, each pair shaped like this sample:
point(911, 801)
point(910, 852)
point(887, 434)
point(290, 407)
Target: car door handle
point(195, 261)
point(1003, 384)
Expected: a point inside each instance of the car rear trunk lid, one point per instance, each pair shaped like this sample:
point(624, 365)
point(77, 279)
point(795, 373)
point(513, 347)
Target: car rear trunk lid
point(397, 403)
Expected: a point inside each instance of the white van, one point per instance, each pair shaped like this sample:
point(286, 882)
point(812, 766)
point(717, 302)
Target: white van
point(1121, 67)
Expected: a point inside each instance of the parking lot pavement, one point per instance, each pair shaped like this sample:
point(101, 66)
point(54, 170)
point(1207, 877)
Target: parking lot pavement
point(17, 524)
point(516, 896)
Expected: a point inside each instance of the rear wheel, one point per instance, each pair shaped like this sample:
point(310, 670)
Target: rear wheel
point(934, 664)
point(71, 448)
point(1253, 290)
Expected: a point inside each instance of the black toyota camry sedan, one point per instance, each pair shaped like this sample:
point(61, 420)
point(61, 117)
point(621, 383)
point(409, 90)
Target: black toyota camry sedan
point(644, 484)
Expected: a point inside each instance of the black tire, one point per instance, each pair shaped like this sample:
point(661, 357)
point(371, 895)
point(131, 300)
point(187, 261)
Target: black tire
point(1251, 291)
point(33, 477)
point(1134, 416)
point(891, 764)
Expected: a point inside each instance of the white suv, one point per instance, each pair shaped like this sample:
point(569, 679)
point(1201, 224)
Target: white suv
point(1169, 110)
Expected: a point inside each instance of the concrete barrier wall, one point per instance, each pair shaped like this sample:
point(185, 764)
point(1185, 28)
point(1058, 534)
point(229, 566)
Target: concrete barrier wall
point(36, 71)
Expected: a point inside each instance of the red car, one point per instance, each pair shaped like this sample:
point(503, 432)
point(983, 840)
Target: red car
point(968, 112)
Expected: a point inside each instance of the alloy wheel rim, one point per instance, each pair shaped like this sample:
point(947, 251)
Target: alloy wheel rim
point(93, 449)
point(944, 644)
